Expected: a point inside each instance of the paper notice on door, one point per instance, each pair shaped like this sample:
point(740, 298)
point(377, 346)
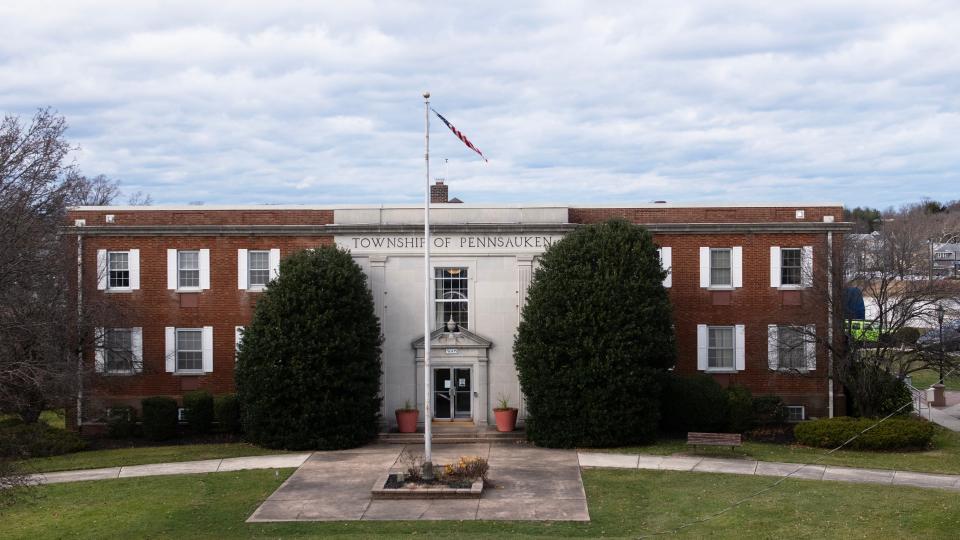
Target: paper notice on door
point(446, 384)
point(461, 383)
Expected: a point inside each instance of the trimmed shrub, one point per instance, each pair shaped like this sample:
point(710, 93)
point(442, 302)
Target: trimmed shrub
point(769, 410)
point(159, 418)
point(23, 441)
point(878, 393)
point(892, 434)
point(740, 413)
point(308, 369)
point(907, 336)
point(226, 411)
point(121, 422)
point(198, 411)
point(595, 336)
point(693, 403)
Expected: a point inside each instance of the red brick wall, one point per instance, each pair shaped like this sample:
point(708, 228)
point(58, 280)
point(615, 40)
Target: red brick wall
point(223, 306)
point(154, 307)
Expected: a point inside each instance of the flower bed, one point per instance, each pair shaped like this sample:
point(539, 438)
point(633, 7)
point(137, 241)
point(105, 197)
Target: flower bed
point(461, 480)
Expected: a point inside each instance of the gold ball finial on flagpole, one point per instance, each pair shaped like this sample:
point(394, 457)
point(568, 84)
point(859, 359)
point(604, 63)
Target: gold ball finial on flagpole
point(426, 95)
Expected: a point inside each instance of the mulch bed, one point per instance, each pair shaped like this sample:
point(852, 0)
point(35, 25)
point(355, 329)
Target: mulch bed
point(779, 434)
point(104, 443)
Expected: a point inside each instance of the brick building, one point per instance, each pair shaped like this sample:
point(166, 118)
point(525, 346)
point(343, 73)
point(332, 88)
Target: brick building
point(749, 284)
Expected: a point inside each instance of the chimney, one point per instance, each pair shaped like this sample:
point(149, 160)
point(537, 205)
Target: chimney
point(438, 192)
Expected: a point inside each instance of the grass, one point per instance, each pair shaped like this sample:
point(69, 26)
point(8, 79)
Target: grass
point(622, 504)
point(54, 418)
point(926, 377)
point(944, 457)
point(95, 459)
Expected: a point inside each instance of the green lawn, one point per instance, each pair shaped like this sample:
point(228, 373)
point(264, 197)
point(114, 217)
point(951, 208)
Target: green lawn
point(95, 459)
point(944, 457)
point(622, 504)
point(54, 418)
point(926, 377)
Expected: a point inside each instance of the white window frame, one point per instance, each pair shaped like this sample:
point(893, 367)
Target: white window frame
point(471, 266)
point(180, 270)
point(733, 348)
point(806, 267)
point(178, 350)
point(736, 268)
point(102, 353)
point(173, 270)
point(243, 268)
point(103, 270)
point(739, 348)
point(803, 412)
point(250, 269)
point(809, 348)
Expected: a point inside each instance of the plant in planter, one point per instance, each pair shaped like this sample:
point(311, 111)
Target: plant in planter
point(407, 418)
point(505, 414)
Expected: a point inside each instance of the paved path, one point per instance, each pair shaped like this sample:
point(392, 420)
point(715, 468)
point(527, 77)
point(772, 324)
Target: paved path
point(769, 468)
point(529, 483)
point(276, 461)
point(949, 416)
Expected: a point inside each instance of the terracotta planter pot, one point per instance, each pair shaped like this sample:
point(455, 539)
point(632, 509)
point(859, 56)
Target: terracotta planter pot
point(506, 419)
point(407, 420)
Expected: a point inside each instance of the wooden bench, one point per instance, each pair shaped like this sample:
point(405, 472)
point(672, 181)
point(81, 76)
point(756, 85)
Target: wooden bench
point(713, 439)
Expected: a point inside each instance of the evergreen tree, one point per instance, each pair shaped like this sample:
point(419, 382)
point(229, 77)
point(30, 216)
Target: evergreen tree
point(308, 368)
point(595, 339)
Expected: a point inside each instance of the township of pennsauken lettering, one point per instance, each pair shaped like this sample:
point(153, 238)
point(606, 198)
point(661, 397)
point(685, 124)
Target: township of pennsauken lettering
point(472, 243)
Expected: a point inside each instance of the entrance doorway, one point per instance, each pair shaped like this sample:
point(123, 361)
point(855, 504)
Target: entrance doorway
point(452, 393)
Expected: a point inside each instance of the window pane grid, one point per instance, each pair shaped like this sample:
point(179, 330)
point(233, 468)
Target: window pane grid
point(258, 267)
point(118, 351)
point(189, 268)
point(791, 348)
point(720, 266)
point(790, 266)
point(451, 296)
point(118, 264)
point(189, 350)
point(720, 347)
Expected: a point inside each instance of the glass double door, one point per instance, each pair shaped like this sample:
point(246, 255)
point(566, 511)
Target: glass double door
point(452, 393)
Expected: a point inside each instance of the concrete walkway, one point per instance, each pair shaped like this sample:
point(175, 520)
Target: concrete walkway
point(527, 483)
point(769, 468)
point(275, 461)
point(949, 416)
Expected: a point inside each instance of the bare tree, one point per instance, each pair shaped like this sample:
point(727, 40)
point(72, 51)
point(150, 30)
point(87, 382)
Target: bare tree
point(891, 270)
point(41, 329)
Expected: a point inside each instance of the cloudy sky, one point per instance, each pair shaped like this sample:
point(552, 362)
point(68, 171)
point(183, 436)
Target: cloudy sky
point(277, 102)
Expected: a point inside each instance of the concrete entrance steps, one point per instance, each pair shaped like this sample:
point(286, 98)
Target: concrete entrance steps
point(455, 433)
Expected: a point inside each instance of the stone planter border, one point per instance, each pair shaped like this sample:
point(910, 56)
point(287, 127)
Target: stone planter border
point(437, 492)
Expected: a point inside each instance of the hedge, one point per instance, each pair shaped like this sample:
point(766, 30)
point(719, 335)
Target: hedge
point(21, 441)
point(198, 411)
point(122, 422)
point(693, 403)
point(226, 411)
point(891, 434)
point(159, 418)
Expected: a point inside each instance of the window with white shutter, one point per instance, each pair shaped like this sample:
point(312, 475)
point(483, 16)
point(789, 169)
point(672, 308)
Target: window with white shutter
point(721, 268)
point(721, 348)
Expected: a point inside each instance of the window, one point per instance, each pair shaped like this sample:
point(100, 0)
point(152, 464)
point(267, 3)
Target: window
point(190, 350)
point(188, 269)
point(795, 413)
point(118, 268)
point(943, 255)
point(791, 266)
point(451, 296)
point(720, 349)
point(258, 268)
point(118, 351)
point(720, 267)
point(791, 348)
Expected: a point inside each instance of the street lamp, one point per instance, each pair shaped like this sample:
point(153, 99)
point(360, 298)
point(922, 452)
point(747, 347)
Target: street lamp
point(940, 328)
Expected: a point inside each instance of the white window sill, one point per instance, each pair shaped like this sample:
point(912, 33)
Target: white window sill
point(721, 288)
point(720, 370)
point(118, 290)
point(118, 373)
point(192, 290)
point(188, 373)
point(791, 287)
point(799, 371)
point(258, 288)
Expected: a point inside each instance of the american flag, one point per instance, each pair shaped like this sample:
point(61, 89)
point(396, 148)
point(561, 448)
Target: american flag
point(463, 138)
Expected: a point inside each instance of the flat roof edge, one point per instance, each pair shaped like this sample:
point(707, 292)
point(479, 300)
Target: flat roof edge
point(311, 207)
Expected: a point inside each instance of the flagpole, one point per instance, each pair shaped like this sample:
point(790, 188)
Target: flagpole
point(427, 289)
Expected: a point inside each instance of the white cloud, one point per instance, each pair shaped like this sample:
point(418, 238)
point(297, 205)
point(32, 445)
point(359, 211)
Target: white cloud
point(571, 101)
